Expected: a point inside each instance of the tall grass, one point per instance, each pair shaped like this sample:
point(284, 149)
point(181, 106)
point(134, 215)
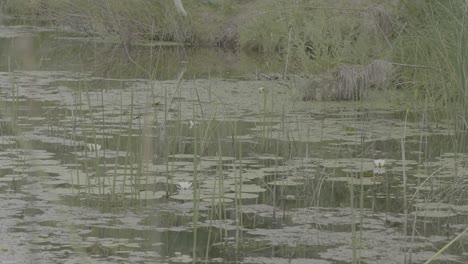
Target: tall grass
point(435, 38)
point(196, 194)
point(316, 36)
point(308, 35)
point(136, 21)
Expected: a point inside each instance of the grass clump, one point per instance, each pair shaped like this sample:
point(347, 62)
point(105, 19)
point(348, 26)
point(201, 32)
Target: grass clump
point(131, 20)
point(208, 23)
point(320, 35)
point(435, 41)
point(20, 7)
point(319, 31)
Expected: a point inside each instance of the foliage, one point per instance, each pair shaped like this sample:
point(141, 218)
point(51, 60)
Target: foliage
point(434, 40)
point(20, 7)
point(427, 39)
point(315, 34)
point(319, 35)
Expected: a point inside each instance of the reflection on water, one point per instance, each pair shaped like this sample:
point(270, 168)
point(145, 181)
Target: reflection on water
point(267, 178)
point(34, 48)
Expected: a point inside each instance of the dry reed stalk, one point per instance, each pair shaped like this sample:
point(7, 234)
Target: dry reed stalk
point(378, 21)
point(355, 80)
point(350, 82)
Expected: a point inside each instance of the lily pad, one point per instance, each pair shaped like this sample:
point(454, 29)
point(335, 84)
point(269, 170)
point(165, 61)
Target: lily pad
point(426, 188)
point(214, 158)
point(150, 195)
point(218, 200)
point(183, 156)
point(433, 206)
point(366, 181)
point(338, 179)
point(249, 188)
point(461, 208)
point(187, 196)
point(241, 195)
point(279, 169)
point(285, 182)
point(433, 214)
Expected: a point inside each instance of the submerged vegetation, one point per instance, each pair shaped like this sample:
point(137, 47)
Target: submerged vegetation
point(247, 131)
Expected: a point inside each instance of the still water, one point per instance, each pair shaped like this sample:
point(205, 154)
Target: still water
point(165, 154)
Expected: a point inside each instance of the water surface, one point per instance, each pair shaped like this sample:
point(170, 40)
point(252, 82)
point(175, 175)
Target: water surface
point(94, 140)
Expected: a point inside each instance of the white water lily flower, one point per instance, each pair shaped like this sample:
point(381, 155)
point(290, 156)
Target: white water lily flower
point(93, 147)
point(184, 185)
point(379, 163)
point(379, 171)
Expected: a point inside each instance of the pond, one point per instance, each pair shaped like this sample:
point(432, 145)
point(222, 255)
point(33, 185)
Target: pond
point(167, 154)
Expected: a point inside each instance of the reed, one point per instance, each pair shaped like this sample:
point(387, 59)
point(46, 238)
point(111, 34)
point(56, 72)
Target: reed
point(196, 195)
point(435, 40)
point(118, 146)
point(445, 247)
point(238, 190)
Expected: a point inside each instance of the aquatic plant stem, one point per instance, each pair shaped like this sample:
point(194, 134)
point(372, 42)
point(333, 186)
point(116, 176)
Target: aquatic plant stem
point(195, 194)
point(239, 221)
point(265, 100)
point(220, 196)
point(96, 152)
point(288, 49)
point(210, 227)
point(405, 202)
point(445, 247)
point(353, 226)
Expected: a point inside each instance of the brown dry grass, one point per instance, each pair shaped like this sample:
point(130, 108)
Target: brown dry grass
point(378, 22)
point(350, 82)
